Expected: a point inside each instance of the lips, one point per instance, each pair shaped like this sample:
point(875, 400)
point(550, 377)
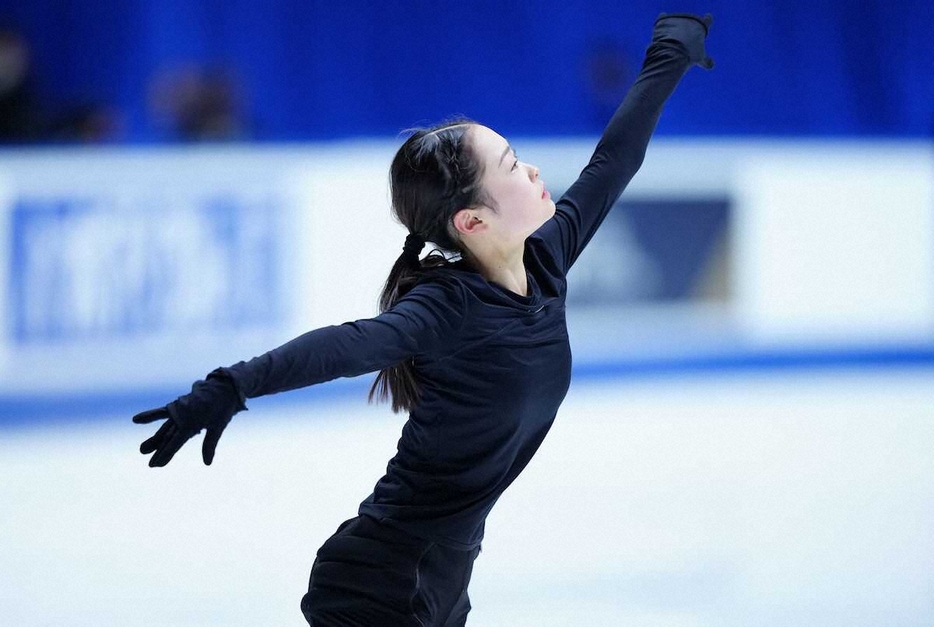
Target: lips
point(544, 191)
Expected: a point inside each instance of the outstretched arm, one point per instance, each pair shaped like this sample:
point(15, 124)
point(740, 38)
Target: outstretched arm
point(677, 44)
point(424, 321)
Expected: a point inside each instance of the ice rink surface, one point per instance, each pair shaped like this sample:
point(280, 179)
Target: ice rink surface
point(801, 498)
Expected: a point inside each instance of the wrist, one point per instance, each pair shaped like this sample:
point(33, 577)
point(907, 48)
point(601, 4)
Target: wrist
point(226, 378)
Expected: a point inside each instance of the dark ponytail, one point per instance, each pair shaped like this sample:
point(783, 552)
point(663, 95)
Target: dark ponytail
point(433, 175)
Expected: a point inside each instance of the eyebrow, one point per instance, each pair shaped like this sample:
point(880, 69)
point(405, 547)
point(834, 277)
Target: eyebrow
point(505, 152)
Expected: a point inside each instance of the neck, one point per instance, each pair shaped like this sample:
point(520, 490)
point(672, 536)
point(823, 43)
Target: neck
point(506, 270)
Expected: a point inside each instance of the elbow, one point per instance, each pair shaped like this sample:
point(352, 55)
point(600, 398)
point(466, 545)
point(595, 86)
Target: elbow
point(636, 160)
point(631, 161)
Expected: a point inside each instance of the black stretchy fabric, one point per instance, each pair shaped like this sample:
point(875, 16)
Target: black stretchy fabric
point(368, 574)
point(493, 366)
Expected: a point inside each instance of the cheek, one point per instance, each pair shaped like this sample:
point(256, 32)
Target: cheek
point(524, 205)
point(518, 202)
point(521, 193)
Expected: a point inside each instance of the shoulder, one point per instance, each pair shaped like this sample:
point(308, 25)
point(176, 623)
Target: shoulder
point(439, 287)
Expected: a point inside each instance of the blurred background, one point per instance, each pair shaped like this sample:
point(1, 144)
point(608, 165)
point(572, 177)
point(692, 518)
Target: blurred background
point(748, 438)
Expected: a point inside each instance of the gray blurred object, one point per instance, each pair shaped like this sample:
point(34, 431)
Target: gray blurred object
point(87, 123)
point(608, 73)
point(196, 103)
point(19, 121)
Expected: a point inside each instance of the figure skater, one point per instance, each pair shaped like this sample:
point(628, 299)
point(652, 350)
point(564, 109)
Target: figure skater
point(472, 344)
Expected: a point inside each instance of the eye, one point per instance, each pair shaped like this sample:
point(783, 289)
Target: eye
point(516, 164)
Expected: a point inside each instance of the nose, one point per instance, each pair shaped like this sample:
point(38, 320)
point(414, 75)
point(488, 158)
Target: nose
point(534, 172)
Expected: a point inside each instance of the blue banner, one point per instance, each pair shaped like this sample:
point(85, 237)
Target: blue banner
point(98, 267)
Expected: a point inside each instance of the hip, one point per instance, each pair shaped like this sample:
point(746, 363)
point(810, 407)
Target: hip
point(370, 573)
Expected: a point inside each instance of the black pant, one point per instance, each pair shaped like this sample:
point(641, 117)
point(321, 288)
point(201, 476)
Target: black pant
point(371, 575)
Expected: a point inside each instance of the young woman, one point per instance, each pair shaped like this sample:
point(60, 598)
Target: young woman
point(475, 348)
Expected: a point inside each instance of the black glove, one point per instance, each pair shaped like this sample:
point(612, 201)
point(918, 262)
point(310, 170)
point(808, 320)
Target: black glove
point(210, 405)
point(682, 28)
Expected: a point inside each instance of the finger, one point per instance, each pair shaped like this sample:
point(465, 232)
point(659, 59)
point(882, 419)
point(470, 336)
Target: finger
point(165, 454)
point(151, 415)
point(211, 437)
point(162, 435)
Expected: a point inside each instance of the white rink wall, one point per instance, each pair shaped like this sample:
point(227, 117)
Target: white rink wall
point(128, 270)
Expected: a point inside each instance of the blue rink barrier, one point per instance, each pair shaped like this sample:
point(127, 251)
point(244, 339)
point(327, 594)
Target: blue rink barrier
point(49, 410)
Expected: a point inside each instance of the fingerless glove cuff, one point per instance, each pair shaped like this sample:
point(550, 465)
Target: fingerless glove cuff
point(706, 20)
point(678, 30)
point(223, 374)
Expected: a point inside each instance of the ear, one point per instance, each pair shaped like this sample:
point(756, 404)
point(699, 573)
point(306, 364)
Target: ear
point(467, 222)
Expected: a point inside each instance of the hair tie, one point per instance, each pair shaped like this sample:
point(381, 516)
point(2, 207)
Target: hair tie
point(413, 246)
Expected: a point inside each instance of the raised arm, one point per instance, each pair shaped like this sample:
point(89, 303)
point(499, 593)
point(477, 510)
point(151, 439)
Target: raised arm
point(677, 44)
point(424, 321)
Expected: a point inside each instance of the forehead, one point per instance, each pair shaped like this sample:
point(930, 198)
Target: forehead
point(488, 143)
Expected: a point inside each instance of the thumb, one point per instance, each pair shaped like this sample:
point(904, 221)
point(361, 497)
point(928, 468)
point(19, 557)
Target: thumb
point(211, 437)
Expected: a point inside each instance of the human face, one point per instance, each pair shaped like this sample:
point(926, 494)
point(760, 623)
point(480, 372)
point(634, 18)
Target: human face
point(522, 202)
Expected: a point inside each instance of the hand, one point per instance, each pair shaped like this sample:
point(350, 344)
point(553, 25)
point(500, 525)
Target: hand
point(682, 28)
point(210, 405)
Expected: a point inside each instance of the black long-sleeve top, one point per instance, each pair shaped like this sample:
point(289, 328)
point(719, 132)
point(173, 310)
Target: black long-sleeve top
point(492, 366)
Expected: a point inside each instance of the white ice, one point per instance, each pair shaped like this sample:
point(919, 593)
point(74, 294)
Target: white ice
point(798, 499)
